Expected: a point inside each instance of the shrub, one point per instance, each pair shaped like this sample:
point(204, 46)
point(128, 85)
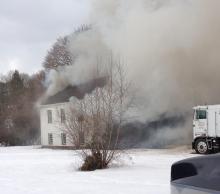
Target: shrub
point(93, 162)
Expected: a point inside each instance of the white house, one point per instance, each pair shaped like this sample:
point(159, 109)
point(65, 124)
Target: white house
point(54, 111)
point(52, 117)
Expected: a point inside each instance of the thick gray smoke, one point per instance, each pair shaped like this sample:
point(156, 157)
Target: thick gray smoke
point(171, 49)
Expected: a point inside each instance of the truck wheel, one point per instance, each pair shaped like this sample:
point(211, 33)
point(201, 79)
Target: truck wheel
point(201, 147)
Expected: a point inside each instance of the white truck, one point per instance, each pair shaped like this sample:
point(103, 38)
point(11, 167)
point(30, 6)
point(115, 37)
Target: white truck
point(206, 129)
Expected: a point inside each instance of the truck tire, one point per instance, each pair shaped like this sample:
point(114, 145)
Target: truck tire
point(201, 146)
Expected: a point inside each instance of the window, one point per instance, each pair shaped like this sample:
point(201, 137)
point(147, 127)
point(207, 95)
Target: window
point(9, 123)
point(63, 138)
point(200, 114)
point(81, 138)
point(49, 116)
point(63, 116)
point(50, 138)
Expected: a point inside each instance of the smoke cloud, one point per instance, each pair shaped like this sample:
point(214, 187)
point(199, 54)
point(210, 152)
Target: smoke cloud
point(170, 48)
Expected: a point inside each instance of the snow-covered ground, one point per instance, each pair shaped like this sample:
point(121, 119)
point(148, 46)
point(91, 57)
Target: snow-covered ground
point(31, 170)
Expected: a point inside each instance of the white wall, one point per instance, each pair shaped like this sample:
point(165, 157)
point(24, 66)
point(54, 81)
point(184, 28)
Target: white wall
point(53, 127)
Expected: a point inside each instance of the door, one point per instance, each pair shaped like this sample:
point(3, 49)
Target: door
point(200, 123)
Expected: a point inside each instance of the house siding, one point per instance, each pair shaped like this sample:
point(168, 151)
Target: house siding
point(55, 127)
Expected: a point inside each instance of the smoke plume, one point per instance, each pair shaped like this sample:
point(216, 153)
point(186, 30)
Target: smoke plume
point(170, 48)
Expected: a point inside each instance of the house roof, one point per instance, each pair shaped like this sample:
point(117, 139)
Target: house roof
point(77, 91)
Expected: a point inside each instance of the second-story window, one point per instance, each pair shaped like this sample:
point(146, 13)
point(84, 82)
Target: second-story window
point(62, 114)
point(49, 116)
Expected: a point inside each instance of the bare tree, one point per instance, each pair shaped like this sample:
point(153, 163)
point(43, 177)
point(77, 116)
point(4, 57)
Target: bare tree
point(59, 54)
point(75, 123)
point(99, 117)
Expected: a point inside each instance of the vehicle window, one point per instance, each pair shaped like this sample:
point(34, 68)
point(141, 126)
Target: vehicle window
point(201, 114)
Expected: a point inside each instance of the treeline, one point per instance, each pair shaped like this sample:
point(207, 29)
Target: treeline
point(19, 118)
point(20, 93)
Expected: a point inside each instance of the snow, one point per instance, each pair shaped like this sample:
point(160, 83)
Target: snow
point(33, 170)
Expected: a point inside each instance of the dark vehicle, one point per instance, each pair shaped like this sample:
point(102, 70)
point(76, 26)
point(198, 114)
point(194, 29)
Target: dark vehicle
point(199, 175)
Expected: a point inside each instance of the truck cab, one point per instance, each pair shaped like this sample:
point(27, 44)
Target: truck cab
point(200, 122)
point(206, 129)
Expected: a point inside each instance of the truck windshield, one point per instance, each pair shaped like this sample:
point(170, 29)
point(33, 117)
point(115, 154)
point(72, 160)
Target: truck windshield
point(200, 114)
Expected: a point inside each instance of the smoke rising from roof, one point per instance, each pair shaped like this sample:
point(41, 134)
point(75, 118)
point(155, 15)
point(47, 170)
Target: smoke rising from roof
point(170, 48)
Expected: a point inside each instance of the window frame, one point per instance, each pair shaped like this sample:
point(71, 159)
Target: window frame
point(49, 116)
point(50, 138)
point(62, 115)
point(63, 138)
point(200, 116)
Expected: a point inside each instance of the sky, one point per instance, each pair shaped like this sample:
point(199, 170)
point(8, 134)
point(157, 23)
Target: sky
point(29, 28)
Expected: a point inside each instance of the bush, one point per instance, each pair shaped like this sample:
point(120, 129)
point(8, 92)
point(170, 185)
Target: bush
point(93, 162)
